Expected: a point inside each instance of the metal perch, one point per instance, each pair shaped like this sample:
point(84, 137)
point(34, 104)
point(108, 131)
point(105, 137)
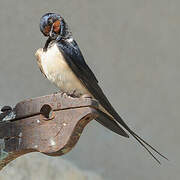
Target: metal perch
point(49, 124)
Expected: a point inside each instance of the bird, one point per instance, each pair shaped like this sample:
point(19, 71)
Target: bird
point(62, 62)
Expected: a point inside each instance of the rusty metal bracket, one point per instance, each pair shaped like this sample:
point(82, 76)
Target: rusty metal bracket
point(49, 124)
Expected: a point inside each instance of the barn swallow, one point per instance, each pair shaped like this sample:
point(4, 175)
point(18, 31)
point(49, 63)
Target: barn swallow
point(62, 62)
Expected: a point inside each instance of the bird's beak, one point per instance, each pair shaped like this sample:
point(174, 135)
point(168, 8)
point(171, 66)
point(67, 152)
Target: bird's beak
point(47, 44)
point(51, 32)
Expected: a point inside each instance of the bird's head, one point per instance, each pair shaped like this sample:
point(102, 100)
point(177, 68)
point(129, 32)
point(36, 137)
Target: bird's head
point(53, 26)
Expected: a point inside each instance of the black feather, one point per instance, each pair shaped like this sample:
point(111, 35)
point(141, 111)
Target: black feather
point(75, 60)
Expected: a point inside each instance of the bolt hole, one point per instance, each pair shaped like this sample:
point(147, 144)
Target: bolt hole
point(46, 111)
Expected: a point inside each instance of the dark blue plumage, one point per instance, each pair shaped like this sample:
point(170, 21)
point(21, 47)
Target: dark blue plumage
point(62, 37)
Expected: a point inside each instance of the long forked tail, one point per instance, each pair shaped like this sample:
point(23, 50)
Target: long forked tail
point(144, 144)
point(141, 141)
point(108, 118)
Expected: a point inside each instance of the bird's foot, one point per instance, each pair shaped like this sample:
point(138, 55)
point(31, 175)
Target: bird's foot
point(64, 94)
point(70, 94)
point(73, 94)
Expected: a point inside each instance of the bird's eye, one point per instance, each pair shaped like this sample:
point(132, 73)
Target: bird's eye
point(56, 26)
point(47, 30)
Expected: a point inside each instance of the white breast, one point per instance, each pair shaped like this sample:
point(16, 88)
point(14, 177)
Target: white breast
point(58, 71)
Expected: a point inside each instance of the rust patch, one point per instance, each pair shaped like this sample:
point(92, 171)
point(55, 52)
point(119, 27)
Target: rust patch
point(56, 26)
point(40, 125)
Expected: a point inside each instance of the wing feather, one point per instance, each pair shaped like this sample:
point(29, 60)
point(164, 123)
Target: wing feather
point(75, 60)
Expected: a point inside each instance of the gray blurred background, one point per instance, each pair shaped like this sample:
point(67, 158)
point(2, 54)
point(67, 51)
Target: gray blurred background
point(133, 48)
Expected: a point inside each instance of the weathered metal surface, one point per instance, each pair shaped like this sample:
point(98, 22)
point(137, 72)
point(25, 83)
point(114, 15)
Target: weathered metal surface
point(50, 124)
point(58, 101)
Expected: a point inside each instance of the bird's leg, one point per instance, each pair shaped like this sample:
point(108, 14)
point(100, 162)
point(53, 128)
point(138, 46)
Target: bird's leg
point(73, 94)
point(62, 93)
